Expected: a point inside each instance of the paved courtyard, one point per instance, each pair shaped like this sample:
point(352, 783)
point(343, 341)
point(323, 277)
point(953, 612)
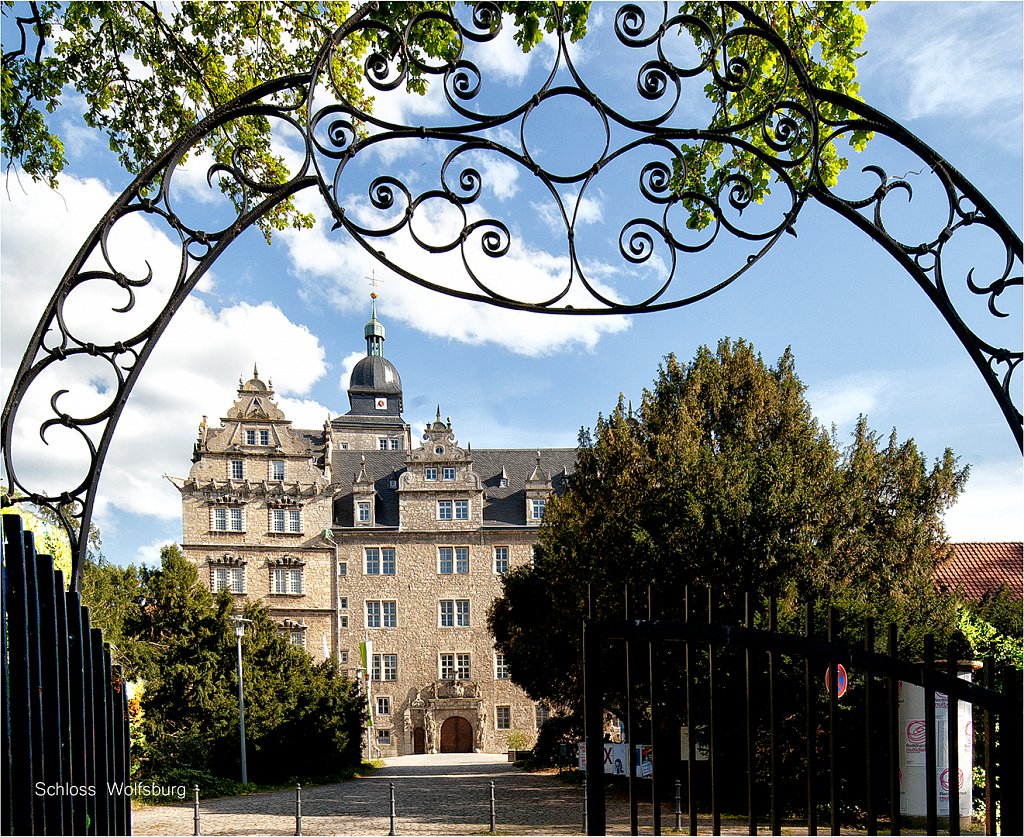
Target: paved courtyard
point(434, 794)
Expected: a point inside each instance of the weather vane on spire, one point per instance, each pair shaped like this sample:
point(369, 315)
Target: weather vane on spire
point(374, 283)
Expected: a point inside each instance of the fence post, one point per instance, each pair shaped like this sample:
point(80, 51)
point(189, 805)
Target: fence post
point(584, 827)
point(492, 808)
point(298, 810)
point(679, 805)
point(391, 791)
point(195, 809)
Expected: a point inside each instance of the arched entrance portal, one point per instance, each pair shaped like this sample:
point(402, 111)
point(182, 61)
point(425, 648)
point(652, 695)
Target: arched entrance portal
point(456, 735)
point(644, 144)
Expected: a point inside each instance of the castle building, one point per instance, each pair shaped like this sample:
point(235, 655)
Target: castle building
point(350, 534)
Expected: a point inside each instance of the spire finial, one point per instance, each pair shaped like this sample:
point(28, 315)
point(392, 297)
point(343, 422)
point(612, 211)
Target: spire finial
point(255, 372)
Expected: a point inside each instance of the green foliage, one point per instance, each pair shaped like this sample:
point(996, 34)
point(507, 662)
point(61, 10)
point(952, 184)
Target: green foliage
point(826, 39)
point(146, 72)
point(993, 628)
point(173, 635)
point(724, 478)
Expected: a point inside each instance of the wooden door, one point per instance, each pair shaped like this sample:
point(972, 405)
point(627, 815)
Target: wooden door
point(456, 736)
point(419, 741)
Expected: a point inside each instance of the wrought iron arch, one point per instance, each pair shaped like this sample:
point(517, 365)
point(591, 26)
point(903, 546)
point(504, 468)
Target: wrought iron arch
point(333, 133)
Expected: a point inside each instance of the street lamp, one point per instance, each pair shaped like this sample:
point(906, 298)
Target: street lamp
point(240, 624)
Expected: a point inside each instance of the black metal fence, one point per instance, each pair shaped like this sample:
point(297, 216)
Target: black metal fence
point(65, 710)
point(777, 742)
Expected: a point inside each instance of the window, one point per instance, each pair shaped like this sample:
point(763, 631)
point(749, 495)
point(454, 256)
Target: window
point(455, 667)
point(297, 636)
point(462, 509)
point(384, 667)
point(536, 509)
point(430, 473)
point(380, 560)
point(384, 737)
point(227, 519)
point(501, 559)
point(286, 520)
point(439, 450)
point(257, 437)
point(344, 658)
point(448, 474)
point(453, 560)
point(541, 714)
point(237, 469)
point(363, 512)
point(503, 717)
point(343, 621)
point(444, 509)
point(343, 568)
point(395, 444)
point(500, 666)
point(343, 603)
point(277, 470)
point(227, 578)
point(286, 580)
point(382, 444)
point(381, 614)
point(454, 613)
point(383, 705)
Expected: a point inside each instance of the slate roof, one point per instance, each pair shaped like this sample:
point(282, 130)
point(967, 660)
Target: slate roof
point(982, 568)
point(503, 505)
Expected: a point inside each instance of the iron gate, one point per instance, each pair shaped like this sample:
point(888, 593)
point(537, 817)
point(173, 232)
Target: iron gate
point(65, 711)
point(849, 765)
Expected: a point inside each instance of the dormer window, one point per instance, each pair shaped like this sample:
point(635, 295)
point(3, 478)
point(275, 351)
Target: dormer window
point(536, 510)
point(430, 473)
point(260, 438)
point(448, 474)
point(363, 512)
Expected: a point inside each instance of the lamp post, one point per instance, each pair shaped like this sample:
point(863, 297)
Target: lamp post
point(239, 632)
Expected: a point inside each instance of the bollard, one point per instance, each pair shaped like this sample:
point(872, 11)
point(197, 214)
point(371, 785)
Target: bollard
point(584, 828)
point(195, 809)
point(391, 789)
point(679, 805)
point(298, 810)
point(492, 808)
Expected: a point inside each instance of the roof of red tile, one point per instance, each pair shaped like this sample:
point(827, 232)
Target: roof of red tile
point(982, 568)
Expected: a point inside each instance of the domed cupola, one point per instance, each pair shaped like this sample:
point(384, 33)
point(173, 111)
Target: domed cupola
point(375, 387)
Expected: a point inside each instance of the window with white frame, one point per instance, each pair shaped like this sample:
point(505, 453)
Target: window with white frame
point(286, 520)
point(277, 470)
point(444, 510)
point(380, 560)
point(453, 560)
point(462, 509)
point(344, 658)
point(342, 621)
point(503, 717)
point(227, 519)
point(363, 512)
point(448, 474)
point(541, 714)
point(430, 473)
point(455, 667)
point(343, 603)
point(381, 614)
point(384, 737)
point(501, 671)
point(501, 560)
point(383, 705)
point(286, 580)
point(236, 469)
point(453, 613)
point(227, 578)
point(297, 636)
point(382, 444)
point(395, 444)
point(537, 509)
point(384, 667)
point(257, 437)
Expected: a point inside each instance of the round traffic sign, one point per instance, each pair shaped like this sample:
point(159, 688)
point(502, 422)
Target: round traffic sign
point(842, 679)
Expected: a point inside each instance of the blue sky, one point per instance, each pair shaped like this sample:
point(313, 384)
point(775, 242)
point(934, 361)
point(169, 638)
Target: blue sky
point(866, 339)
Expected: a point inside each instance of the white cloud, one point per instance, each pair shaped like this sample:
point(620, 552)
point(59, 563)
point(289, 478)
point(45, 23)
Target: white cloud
point(990, 508)
point(183, 379)
point(962, 64)
point(840, 402)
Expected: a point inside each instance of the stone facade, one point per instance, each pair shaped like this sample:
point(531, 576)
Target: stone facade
point(352, 536)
